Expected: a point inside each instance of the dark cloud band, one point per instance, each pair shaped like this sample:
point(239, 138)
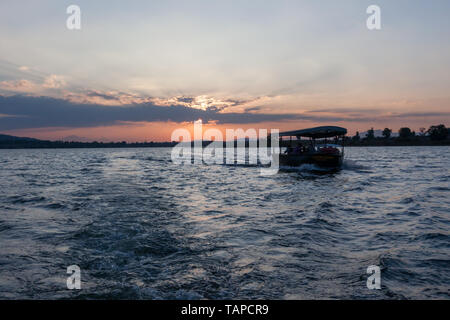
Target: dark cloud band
point(25, 112)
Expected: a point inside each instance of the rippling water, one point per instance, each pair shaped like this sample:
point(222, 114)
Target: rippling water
point(141, 227)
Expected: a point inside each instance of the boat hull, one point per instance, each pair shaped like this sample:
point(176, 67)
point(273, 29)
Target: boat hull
point(321, 160)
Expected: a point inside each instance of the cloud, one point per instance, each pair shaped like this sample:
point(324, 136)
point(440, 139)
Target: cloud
point(420, 114)
point(40, 112)
point(5, 115)
point(30, 87)
point(19, 85)
point(26, 112)
point(252, 109)
point(108, 98)
point(186, 99)
point(54, 81)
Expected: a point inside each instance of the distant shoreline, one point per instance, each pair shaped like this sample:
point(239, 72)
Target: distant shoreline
point(118, 145)
point(437, 135)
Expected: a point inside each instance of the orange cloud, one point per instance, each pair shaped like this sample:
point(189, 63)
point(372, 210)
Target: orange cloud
point(19, 86)
point(54, 81)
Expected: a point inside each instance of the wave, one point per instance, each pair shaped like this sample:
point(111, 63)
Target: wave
point(353, 165)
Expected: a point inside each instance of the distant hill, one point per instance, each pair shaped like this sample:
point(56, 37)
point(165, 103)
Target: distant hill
point(5, 137)
point(13, 142)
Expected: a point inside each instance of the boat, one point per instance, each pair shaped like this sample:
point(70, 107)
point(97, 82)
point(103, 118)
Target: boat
point(324, 147)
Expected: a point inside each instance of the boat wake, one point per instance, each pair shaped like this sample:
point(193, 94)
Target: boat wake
point(353, 166)
point(348, 165)
point(307, 167)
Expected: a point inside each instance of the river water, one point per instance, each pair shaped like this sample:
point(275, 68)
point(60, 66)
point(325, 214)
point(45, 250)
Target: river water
point(142, 227)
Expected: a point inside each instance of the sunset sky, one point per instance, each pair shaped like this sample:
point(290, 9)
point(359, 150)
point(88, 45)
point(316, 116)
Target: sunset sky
point(137, 70)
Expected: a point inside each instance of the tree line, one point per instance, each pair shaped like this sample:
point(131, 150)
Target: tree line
point(434, 135)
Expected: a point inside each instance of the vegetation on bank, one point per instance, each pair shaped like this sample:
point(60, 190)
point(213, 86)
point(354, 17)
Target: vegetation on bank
point(41, 144)
point(435, 136)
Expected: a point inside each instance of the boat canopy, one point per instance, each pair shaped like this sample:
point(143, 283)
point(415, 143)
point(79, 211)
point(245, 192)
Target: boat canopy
point(316, 133)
